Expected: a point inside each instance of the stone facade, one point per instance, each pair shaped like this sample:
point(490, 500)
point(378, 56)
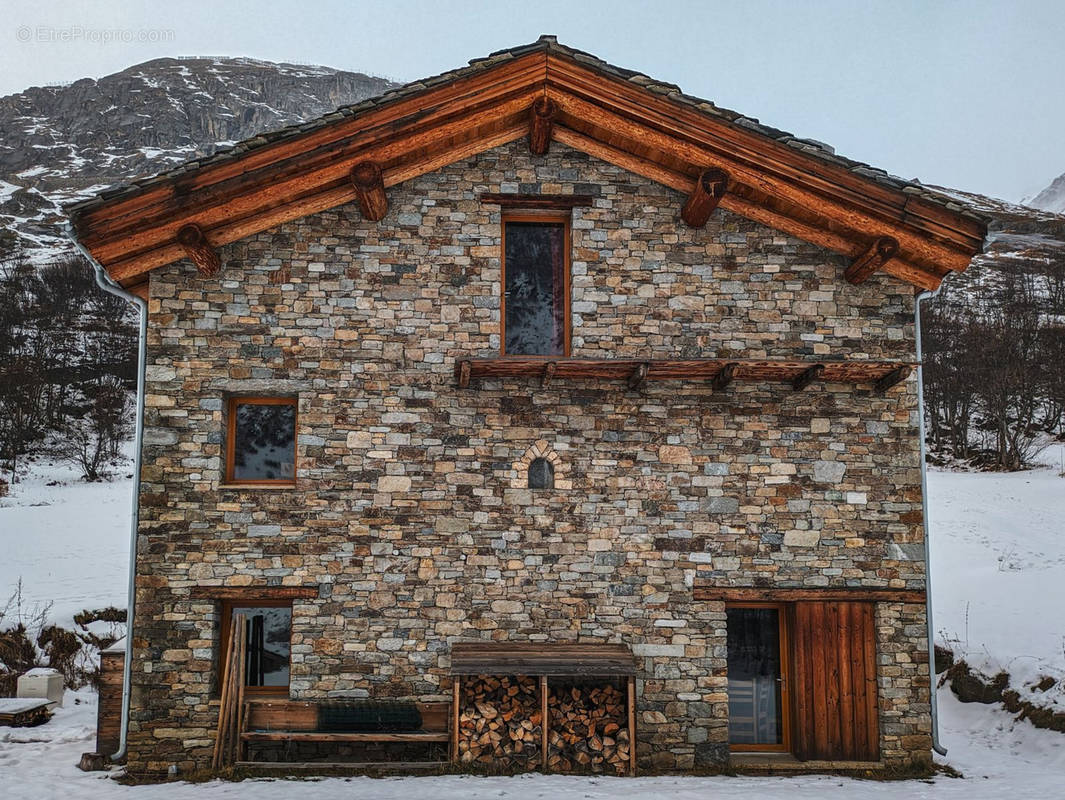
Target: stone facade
point(409, 515)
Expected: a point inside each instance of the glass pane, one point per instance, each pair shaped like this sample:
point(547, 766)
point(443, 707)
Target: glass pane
point(269, 631)
point(535, 288)
point(754, 676)
point(265, 447)
point(541, 474)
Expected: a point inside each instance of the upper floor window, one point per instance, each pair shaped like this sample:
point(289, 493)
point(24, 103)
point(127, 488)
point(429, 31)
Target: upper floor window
point(535, 307)
point(261, 440)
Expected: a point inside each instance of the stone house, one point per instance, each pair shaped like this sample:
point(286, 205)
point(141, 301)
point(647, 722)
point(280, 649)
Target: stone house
point(534, 357)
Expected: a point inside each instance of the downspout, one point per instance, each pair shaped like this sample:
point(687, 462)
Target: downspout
point(927, 527)
point(104, 281)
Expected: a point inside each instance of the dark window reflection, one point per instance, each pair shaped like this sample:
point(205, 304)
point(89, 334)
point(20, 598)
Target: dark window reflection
point(269, 632)
point(753, 676)
point(535, 289)
point(541, 474)
point(265, 442)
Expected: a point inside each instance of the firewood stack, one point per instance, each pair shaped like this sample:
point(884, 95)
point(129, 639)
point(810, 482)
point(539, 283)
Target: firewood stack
point(500, 722)
point(589, 730)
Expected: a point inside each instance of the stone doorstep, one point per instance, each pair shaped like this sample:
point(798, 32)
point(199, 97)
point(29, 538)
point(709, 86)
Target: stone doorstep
point(768, 762)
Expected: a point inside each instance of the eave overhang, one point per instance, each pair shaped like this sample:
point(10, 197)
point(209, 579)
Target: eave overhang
point(625, 119)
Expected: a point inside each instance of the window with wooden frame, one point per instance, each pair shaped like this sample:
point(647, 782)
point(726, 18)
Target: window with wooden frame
point(535, 307)
point(268, 628)
point(802, 679)
point(261, 441)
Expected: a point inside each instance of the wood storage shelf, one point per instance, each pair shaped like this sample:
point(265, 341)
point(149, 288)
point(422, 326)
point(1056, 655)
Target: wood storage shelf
point(557, 708)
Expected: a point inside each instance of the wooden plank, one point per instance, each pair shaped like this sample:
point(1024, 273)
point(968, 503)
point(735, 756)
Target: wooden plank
point(237, 593)
point(632, 725)
point(544, 722)
point(753, 594)
point(872, 707)
point(801, 681)
point(362, 736)
point(456, 701)
point(818, 638)
point(330, 766)
point(520, 201)
point(830, 649)
point(846, 747)
point(535, 659)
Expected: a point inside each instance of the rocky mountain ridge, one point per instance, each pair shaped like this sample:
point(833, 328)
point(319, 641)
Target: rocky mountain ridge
point(62, 143)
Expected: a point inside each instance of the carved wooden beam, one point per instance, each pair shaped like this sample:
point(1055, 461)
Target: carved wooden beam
point(708, 191)
point(549, 373)
point(541, 123)
point(198, 250)
point(894, 377)
point(808, 377)
point(638, 376)
point(464, 374)
point(724, 377)
point(370, 190)
point(876, 257)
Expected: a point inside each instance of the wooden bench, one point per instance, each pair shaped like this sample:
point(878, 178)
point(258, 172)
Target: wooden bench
point(297, 721)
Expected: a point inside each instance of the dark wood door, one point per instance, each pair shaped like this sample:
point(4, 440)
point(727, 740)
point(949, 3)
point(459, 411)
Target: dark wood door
point(836, 715)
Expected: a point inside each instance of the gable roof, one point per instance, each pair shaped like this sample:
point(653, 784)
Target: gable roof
point(795, 185)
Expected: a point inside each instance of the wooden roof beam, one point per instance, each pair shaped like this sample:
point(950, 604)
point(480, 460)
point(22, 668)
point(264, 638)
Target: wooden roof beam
point(541, 122)
point(709, 189)
point(369, 186)
point(875, 258)
point(198, 250)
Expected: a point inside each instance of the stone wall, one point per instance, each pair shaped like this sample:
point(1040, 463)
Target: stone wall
point(408, 514)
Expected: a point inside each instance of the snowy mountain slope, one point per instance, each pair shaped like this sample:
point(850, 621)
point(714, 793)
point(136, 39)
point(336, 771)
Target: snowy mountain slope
point(1052, 198)
point(58, 144)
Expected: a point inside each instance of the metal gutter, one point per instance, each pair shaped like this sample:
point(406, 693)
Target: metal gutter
point(104, 281)
point(927, 527)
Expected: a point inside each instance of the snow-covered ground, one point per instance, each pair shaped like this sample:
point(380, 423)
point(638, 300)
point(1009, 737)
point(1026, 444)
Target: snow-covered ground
point(998, 582)
point(66, 539)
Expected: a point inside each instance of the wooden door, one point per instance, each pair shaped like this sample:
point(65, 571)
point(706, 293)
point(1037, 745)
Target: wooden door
point(836, 710)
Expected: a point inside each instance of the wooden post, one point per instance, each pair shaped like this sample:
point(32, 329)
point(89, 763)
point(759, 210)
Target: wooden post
point(879, 253)
point(543, 723)
point(709, 189)
point(632, 724)
point(370, 190)
point(541, 123)
point(198, 250)
point(456, 699)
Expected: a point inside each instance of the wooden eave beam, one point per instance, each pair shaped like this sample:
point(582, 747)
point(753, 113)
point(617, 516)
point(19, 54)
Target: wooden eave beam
point(893, 378)
point(709, 188)
point(541, 121)
point(807, 377)
point(751, 594)
point(875, 258)
point(369, 185)
point(198, 250)
point(649, 132)
point(776, 157)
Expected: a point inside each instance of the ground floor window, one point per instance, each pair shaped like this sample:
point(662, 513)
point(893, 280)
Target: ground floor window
point(268, 628)
point(802, 679)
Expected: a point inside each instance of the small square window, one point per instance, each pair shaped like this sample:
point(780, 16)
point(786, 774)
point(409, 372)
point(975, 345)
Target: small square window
point(261, 440)
point(268, 628)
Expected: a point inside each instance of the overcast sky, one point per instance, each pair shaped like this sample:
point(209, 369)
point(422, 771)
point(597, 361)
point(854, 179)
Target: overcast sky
point(964, 93)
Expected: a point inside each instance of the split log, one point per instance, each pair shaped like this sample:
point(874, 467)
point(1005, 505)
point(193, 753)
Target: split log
point(500, 722)
point(588, 729)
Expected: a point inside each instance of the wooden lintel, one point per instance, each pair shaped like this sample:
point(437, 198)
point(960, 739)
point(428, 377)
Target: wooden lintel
point(875, 258)
point(199, 250)
point(707, 193)
point(541, 123)
point(549, 372)
point(464, 374)
point(369, 185)
point(751, 594)
point(807, 377)
point(537, 200)
point(638, 376)
point(254, 592)
point(724, 377)
point(894, 377)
